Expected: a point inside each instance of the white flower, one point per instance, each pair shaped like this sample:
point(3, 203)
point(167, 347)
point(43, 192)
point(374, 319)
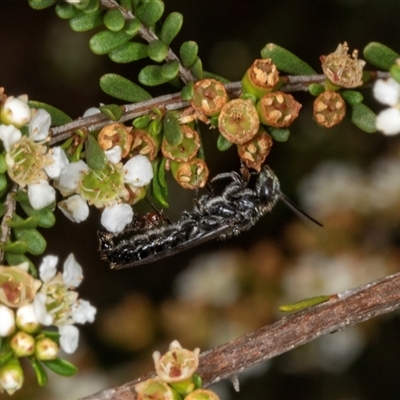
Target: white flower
point(15, 111)
point(41, 194)
point(70, 177)
point(115, 217)
point(48, 268)
point(388, 121)
point(114, 155)
point(138, 171)
point(58, 161)
point(39, 125)
point(74, 208)
point(7, 318)
point(387, 91)
point(11, 376)
point(69, 338)
point(83, 312)
point(73, 273)
point(92, 110)
point(10, 135)
point(39, 306)
point(26, 318)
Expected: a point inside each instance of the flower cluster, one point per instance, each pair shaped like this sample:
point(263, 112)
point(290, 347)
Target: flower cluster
point(388, 93)
point(27, 305)
point(176, 377)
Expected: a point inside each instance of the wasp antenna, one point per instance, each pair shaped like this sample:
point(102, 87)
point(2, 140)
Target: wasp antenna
point(298, 210)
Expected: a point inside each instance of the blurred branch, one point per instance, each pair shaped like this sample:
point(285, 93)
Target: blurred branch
point(349, 308)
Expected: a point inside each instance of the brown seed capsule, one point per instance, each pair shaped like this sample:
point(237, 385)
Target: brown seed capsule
point(254, 152)
point(144, 143)
point(190, 175)
point(341, 69)
point(209, 96)
point(329, 109)
point(116, 135)
point(184, 151)
point(278, 109)
point(238, 121)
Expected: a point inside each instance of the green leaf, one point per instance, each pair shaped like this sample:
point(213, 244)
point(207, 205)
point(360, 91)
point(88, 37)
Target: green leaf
point(114, 20)
point(128, 52)
point(16, 259)
point(112, 111)
point(187, 91)
point(170, 70)
point(6, 352)
point(92, 6)
point(36, 242)
point(188, 53)
point(157, 50)
point(29, 223)
point(3, 164)
point(3, 182)
point(53, 335)
point(302, 304)
point(142, 122)
point(172, 129)
point(122, 88)
point(65, 10)
point(95, 157)
point(151, 76)
point(171, 27)
point(162, 179)
point(316, 89)
point(40, 4)
point(155, 127)
point(280, 134)
point(395, 72)
point(40, 372)
point(127, 4)
point(197, 68)
point(363, 117)
point(286, 61)
point(159, 191)
point(132, 26)
point(18, 247)
point(352, 97)
point(105, 41)
point(380, 55)
point(149, 12)
point(85, 21)
point(223, 144)
point(58, 117)
point(61, 367)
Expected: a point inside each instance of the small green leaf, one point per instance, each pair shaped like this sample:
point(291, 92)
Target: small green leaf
point(162, 179)
point(280, 134)
point(128, 52)
point(380, 55)
point(95, 157)
point(29, 223)
point(3, 182)
point(151, 76)
point(83, 22)
point(45, 216)
point(197, 68)
point(36, 242)
point(61, 367)
point(170, 70)
point(223, 144)
point(157, 50)
point(112, 111)
point(395, 72)
point(122, 88)
point(65, 10)
point(53, 335)
point(363, 117)
point(18, 247)
point(6, 352)
point(40, 372)
point(127, 4)
point(198, 382)
point(149, 12)
point(105, 41)
point(82, 4)
point(171, 27)
point(114, 20)
point(40, 4)
point(285, 60)
point(142, 122)
point(155, 127)
point(58, 117)
point(187, 91)
point(158, 191)
point(3, 165)
point(302, 304)
point(315, 89)
point(132, 26)
point(92, 6)
point(188, 53)
point(352, 97)
point(172, 129)
point(16, 259)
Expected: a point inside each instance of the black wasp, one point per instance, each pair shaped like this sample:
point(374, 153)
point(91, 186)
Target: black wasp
point(151, 236)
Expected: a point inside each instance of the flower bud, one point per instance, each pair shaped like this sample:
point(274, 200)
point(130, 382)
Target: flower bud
point(7, 318)
point(185, 150)
point(202, 394)
point(116, 135)
point(15, 111)
point(11, 376)
point(145, 144)
point(155, 389)
point(238, 121)
point(329, 109)
point(23, 344)
point(209, 96)
point(278, 109)
point(46, 349)
point(26, 319)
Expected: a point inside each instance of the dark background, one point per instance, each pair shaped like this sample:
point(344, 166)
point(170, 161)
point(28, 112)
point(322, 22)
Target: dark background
point(42, 57)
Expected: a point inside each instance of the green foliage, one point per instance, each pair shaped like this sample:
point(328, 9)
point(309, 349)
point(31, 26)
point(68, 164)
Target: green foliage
point(172, 129)
point(280, 134)
point(303, 304)
point(122, 88)
point(105, 41)
point(41, 375)
point(171, 27)
point(188, 53)
point(157, 50)
point(58, 117)
point(114, 20)
point(187, 91)
point(36, 242)
point(159, 189)
point(223, 144)
point(149, 12)
point(352, 97)
point(363, 117)
point(112, 111)
point(95, 157)
point(61, 367)
point(65, 10)
point(285, 60)
point(380, 55)
point(40, 4)
point(82, 21)
point(128, 52)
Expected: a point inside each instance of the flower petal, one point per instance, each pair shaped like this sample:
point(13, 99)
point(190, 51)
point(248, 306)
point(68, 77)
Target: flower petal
point(114, 218)
point(73, 273)
point(69, 338)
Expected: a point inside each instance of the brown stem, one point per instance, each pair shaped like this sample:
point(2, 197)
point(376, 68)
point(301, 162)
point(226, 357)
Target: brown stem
point(349, 308)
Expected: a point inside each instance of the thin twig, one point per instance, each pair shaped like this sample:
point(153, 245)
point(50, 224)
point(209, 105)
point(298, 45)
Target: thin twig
point(350, 308)
point(10, 204)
